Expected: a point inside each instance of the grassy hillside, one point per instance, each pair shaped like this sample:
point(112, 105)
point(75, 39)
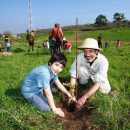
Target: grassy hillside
point(110, 34)
point(111, 112)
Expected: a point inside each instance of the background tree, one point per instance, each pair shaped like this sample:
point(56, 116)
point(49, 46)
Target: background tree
point(118, 18)
point(7, 33)
point(101, 20)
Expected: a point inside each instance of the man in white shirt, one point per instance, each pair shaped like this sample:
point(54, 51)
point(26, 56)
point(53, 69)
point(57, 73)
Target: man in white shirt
point(90, 64)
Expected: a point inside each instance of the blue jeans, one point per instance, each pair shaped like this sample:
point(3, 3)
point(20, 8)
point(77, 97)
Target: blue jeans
point(40, 102)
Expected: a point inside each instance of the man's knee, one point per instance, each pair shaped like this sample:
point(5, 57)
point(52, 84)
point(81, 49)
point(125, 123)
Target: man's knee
point(105, 88)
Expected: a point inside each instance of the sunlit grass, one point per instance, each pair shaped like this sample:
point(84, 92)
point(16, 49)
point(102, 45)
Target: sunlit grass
point(111, 111)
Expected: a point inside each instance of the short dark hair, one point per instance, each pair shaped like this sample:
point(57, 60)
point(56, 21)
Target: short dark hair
point(58, 57)
point(57, 25)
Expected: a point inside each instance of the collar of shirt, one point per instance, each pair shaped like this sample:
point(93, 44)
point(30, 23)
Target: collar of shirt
point(90, 63)
point(50, 72)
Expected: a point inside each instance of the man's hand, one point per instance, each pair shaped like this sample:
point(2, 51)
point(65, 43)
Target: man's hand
point(59, 112)
point(81, 102)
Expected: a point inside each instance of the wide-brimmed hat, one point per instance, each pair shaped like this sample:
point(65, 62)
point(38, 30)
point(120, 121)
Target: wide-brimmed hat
point(89, 43)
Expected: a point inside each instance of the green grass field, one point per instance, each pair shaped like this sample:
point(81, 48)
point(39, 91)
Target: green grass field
point(112, 112)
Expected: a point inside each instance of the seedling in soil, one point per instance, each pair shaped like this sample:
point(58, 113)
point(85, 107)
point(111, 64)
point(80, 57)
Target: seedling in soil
point(71, 105)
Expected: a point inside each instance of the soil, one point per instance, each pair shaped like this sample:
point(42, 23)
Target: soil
point(73, 38)
point(76, 120)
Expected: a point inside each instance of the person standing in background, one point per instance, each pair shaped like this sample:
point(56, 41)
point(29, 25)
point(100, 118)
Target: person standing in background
point(31, 38)
point(57, 37)
point(118, 43)
point(100, 40)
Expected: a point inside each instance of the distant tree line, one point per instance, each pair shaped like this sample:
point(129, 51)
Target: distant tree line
point(100, 21)
point(118, 18)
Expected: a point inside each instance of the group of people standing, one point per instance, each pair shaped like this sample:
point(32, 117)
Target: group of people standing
point(57, 41)
point(99, 39)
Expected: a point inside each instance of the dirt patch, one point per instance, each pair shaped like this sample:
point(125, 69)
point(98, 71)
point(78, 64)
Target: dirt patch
point(80, 120)
point(73, 38)
point(77, 120)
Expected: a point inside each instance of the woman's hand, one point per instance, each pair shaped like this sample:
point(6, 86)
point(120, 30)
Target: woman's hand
point(59, 112)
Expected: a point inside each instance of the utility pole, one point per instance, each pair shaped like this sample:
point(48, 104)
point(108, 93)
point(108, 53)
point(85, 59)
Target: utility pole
point(76, 55)
point(30, 16)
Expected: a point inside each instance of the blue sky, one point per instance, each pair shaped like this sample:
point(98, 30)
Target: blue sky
point(14, 14)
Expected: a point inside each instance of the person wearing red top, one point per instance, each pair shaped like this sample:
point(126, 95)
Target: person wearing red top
point(118, 43)
point(68, 46)
point(57, 37)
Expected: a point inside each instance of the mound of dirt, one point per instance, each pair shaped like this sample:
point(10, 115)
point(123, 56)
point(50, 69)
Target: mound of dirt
point(77, 120)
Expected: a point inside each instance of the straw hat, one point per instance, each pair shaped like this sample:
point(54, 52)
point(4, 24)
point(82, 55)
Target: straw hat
point(89, 43)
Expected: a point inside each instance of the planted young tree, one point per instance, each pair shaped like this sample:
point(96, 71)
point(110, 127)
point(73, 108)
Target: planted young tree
point(101, 20)
point(118, 18)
